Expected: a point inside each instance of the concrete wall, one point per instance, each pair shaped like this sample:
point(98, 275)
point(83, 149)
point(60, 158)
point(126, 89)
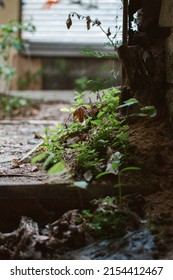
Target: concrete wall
point(62, 72)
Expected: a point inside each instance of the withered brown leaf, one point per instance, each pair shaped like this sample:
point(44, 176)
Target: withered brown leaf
point(69, 22)
point(80, 114)
point(88, 20)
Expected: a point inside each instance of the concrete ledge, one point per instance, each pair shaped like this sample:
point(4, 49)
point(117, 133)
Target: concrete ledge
point(47, 202)
point(66, 96)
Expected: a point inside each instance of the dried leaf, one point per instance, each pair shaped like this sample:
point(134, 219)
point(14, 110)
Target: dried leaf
point(80, 114)
point(78, 16)
point(15, 163)
point(35, 168)
point(88, 20)
point(67, 230)
point(108, 32)
point(97, 22)
point(69, 22)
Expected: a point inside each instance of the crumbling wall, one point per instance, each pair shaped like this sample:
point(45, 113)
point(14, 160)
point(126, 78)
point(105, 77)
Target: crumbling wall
point(166, 20)
point(144, 59)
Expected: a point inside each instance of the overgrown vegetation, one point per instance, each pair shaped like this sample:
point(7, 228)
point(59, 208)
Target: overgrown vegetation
point(9, 39)
point(87, 141)
point(94, 140)
point(93, 144)
point(107, 219)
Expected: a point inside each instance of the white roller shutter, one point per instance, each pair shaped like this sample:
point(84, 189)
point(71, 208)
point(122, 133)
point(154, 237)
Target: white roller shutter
point(52, 36)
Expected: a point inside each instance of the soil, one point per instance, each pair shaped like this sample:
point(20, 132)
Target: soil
point(150, 148)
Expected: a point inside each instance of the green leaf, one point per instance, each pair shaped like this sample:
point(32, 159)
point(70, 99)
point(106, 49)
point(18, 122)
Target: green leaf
point(148, 108)
point(47, 161)
point(39, 157)
point(100, 114)
point(23, 102)
point(129, 102)
point(104, 174)
point(134, 168)
point(116, 164)
point(117, 186)
point(65, 110)
point(151, 110)
point(57, 168)
point(138, 115)
point(81, 184)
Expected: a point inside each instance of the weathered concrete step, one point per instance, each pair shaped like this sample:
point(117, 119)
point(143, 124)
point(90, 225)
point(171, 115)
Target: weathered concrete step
point(49, 201)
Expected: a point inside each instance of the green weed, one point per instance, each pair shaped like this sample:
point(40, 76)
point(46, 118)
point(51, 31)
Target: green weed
point(106, 220)
point(9, 39)
point(8, 103)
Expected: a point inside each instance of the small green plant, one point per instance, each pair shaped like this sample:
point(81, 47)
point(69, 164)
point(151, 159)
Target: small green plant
point(8, 103)
point(93, 145)
point(106, 220)
point(95, 128)
point(143, 111)
point(9, 39)
point(98, 54)
point(116, 170)
point(81, 84)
